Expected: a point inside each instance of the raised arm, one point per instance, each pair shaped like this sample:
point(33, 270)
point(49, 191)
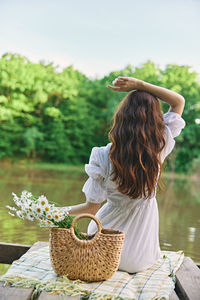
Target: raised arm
point(127, 84)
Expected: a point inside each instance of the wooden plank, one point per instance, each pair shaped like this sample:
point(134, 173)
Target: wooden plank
point(14, 251)
point(173, 296)
point(187, 287)
point(10, 252)
point(12, 293)
point(46, 296)
point(188, 280)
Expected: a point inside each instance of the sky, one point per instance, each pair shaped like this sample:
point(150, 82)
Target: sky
point(98, 37)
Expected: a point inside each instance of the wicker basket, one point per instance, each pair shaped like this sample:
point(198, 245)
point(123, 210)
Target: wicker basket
point(94, 259)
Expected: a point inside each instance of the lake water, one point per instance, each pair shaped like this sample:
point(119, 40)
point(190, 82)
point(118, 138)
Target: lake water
point(179, 205)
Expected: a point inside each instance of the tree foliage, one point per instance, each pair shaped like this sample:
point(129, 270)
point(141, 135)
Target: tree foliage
point(59, 116)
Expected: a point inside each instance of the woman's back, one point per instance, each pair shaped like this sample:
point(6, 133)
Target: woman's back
point(138, 218)
point(125, 172)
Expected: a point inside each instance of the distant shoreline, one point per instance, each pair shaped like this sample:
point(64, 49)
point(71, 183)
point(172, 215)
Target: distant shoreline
point(41, 165)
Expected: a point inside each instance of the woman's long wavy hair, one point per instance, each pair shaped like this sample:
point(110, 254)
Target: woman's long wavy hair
point(137, 137)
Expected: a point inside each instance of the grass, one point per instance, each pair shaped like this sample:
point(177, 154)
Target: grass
point(78, 169)
point(4, 268)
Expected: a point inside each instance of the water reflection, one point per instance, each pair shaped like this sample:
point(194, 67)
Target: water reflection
point(179, 205)
point(191, 236)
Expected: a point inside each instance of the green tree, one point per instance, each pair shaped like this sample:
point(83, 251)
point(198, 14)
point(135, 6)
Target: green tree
point(59, 116)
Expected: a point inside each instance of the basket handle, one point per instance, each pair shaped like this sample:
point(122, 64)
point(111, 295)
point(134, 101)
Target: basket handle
point(87, 216)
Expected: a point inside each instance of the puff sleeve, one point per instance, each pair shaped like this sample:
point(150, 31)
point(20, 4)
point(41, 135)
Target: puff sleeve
point(94, 188)
point(174, 124)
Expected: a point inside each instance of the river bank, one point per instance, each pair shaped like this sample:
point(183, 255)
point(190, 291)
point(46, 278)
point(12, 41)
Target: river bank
point(76, 169)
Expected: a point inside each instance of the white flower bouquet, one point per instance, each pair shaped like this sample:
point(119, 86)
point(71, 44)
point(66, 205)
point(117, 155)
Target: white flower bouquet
point(93, 260)
point(39, 209)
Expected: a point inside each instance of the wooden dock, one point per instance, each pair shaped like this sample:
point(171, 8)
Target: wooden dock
point(187, 277)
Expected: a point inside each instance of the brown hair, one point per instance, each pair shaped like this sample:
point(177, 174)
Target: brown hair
point(137, 137)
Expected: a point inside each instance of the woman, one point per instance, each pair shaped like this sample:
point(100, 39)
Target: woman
point(126, 171)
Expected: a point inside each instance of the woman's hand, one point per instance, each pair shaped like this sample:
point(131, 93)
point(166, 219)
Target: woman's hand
point(125, 84)
point(87, 207)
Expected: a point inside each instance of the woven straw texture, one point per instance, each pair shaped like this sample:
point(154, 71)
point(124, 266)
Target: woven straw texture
point(95, 259)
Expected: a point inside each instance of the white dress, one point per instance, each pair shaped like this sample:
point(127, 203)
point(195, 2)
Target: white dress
point(138, 218)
